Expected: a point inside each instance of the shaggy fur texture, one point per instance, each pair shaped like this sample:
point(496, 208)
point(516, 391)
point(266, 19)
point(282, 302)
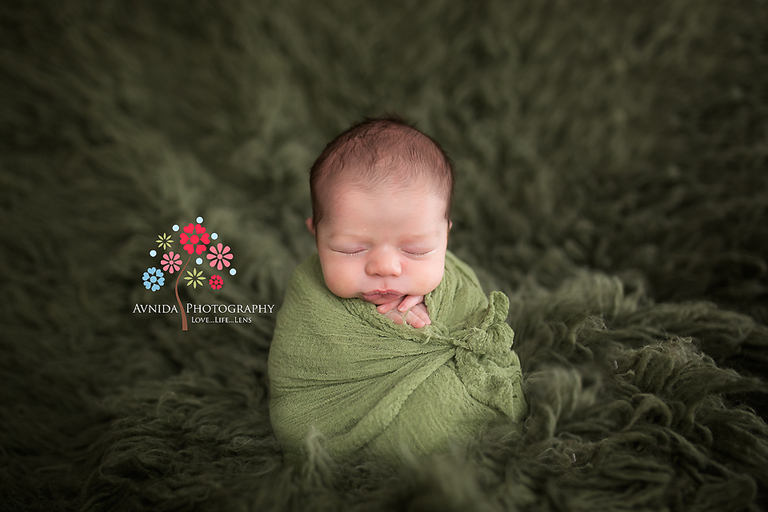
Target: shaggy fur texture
point(611, 167)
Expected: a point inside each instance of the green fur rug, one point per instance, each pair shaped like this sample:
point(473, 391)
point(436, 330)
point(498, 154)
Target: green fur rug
point(611, 161)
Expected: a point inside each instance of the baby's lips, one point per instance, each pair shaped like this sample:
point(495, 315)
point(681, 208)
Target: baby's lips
point(381, 296)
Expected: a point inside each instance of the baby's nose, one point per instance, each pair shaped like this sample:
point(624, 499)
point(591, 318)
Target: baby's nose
point(383, 263)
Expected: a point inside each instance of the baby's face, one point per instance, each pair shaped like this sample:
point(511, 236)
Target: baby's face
point(383, 244)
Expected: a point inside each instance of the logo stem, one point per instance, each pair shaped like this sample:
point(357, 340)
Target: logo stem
point(178, 299)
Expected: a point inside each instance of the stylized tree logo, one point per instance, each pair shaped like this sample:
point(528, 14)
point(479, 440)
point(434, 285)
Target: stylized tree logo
point(194, 240)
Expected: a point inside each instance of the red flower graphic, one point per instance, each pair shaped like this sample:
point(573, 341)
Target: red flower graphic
point(194, 239)
point(216, 282)
point(219, 256)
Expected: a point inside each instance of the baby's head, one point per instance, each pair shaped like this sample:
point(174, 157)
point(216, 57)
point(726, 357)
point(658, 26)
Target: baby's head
point(381, 205)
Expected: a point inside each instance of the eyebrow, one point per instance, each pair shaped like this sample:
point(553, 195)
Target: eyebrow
point(342, 234)
point(361, 237)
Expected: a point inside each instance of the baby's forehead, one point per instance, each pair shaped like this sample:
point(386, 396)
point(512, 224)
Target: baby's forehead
point(346, 183)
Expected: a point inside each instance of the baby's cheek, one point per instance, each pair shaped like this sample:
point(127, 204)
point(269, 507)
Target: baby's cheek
point(429, 277)
point(340, 281)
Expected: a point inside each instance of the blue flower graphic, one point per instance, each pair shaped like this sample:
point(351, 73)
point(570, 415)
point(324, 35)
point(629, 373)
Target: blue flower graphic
point(153, 279)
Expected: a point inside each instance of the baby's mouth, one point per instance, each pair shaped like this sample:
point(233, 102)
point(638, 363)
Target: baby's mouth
point(381, 296)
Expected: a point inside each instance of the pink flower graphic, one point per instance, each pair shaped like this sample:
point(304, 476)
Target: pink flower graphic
point(219, 257)
point(171, 262)
point(194, 239)
point(216, 282)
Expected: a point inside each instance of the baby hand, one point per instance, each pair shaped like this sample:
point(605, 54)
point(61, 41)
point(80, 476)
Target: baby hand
point(410, 309)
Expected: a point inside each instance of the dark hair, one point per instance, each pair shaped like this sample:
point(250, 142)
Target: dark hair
point(380, 150)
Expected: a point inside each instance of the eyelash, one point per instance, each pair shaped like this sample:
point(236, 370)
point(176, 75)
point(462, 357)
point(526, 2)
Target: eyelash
point(355, 253)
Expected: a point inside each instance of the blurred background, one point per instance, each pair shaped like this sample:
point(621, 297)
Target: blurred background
point(598, 136)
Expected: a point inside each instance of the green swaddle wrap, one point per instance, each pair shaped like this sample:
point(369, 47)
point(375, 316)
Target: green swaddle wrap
point(368, 384)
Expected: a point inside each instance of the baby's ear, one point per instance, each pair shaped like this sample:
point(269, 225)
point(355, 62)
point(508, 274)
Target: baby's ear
point(311, 226)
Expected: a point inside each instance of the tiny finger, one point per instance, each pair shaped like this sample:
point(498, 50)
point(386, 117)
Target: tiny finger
point(386, 307)
point(414, 321)
point(409, 301)
point(421, 313)
point(395, 317)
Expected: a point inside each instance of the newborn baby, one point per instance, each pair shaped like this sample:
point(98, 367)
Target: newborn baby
point(385, 343)
point(381, 198)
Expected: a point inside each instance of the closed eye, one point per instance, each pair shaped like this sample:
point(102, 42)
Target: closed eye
point(351, 253)
point(416, 253)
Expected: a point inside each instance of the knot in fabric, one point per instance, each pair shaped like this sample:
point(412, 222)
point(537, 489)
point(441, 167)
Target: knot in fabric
point(489, 335)
point(494, 342)
point(485, 362)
